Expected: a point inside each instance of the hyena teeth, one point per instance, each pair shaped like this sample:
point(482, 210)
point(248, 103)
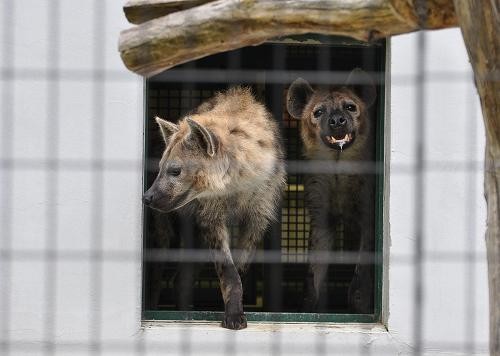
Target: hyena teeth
point(341, 141)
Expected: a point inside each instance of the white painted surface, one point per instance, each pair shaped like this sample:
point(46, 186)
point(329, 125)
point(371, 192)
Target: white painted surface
point(110, 314)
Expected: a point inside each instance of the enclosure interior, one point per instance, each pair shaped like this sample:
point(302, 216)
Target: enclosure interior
point(268, 287)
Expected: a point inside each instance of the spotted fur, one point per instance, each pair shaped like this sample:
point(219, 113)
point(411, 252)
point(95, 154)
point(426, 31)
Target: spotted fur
point(223, 163)
point(326, 113)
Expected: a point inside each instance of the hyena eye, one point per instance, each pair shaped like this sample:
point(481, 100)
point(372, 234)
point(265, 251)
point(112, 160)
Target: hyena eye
point(174, 171)
point(317, 113)
point(350, 107)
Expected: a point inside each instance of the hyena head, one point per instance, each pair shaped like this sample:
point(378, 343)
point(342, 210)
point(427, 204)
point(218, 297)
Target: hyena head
point(336, 117)
point(188, 168)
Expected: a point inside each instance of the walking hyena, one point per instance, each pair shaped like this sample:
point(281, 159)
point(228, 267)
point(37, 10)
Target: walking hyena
point(223, 163)
point(335, 128)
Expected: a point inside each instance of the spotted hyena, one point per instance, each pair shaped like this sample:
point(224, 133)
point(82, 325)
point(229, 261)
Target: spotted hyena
point(223, 163)
point(336, 129)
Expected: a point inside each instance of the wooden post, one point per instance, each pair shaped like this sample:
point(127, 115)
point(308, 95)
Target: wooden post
point(480, 24)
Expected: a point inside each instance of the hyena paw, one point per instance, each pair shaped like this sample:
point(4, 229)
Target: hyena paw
point(234, 321)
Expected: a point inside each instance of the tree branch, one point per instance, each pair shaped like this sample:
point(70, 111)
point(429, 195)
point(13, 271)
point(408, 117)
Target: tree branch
point(225, 25)
point(139, 11)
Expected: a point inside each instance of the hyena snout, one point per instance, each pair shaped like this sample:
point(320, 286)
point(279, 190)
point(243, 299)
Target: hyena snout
point(155, 199)
point(165, 200)
point(147, 198)
point(337, 120)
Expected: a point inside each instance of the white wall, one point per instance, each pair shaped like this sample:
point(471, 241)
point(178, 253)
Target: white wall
point(106, 310)
point(455, 303)
point(80, 206)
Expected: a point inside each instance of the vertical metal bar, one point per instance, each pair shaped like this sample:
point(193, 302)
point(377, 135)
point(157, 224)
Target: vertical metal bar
point(324, 63)
point(52, 177)
point(471, 122)
point(97, 179)
point(419, 222)
point(187, 232)
point(276, 271)
point(6, 146)
point(233, 63)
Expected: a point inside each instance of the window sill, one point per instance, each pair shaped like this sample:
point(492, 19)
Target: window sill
point(265, 338)
point(257, 326)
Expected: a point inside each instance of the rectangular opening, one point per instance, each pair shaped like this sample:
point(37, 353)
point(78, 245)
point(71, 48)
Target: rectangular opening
point(186, 287)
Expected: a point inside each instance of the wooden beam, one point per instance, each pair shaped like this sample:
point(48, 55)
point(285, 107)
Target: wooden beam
point(480, 24)
point(139, 11)
point(225, 25)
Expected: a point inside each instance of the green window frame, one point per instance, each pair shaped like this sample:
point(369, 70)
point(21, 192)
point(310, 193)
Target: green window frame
point(376, 317)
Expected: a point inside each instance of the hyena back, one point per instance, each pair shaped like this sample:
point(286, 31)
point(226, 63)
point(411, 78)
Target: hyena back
point(335, 128)
point(223, 163)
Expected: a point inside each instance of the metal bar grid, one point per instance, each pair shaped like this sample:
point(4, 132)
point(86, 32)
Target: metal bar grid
point(51, 256)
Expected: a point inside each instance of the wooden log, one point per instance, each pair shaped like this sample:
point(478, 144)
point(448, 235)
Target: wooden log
point(480, 24)
point(225, 25)
point(139, 11)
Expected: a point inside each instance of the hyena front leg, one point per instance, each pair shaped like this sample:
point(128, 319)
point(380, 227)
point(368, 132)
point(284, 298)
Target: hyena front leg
point(321, 240)
point(318, 196)
point(360, 294)
point(229, 279)
point(253, 225)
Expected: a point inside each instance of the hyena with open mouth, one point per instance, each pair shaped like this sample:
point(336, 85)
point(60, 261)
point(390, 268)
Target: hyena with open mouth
point(223, 163)
point(335, 128)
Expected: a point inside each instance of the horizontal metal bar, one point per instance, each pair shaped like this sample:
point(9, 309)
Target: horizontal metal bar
point(322, 77)
point(293, 166)
point(61, 74)
point(204, 255)
point(226, 76)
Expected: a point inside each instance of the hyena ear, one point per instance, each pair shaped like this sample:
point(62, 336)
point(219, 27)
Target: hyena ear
point(363, 85)
point(167, 128)
point(203, 137)
point(297, 97)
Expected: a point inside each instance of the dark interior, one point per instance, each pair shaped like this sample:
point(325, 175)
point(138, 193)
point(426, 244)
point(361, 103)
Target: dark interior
point(268, 69)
